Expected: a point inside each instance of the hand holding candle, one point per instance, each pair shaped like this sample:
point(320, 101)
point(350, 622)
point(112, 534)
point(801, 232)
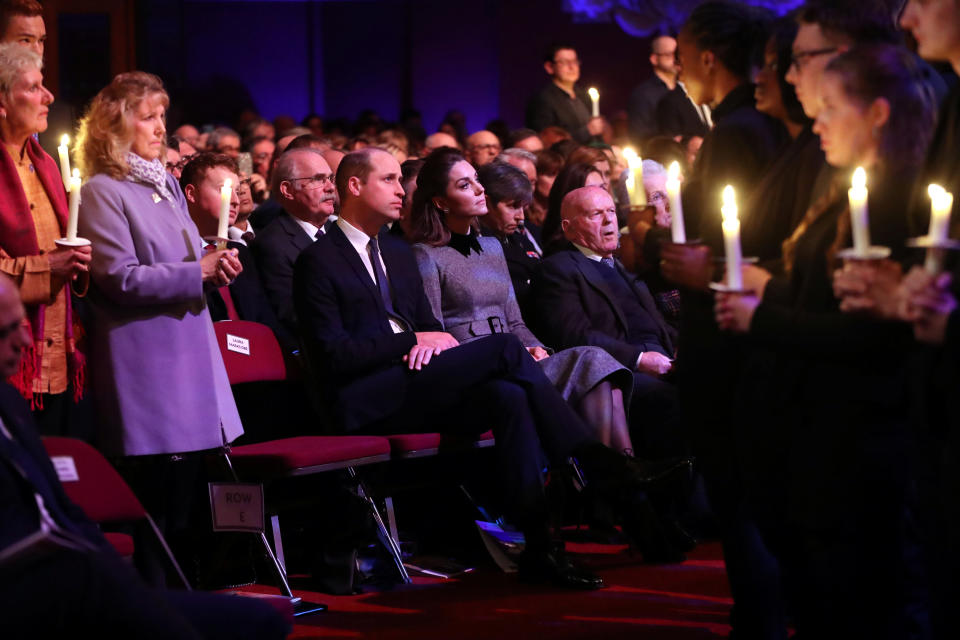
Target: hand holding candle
point(677, 231)
point(64, 152)
point(859, 217)
point(226, 194)
point(731, 238)
point(595, 99)
point(74, 189)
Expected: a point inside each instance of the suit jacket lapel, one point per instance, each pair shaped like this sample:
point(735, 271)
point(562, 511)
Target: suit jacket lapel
point(648, 303)
point(594, 280)
point(298, 237)
point(360, 271)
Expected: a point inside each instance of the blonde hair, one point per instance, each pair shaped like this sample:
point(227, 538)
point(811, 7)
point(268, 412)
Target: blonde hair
point(106, 130)
point(15, 60)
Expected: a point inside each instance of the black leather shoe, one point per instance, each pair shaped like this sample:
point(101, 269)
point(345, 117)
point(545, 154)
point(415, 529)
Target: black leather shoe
point(555, 568)
point(608, 470)
point(649, 536)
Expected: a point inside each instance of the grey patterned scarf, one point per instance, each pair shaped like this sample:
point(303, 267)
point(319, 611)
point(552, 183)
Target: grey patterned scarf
point(150, 172)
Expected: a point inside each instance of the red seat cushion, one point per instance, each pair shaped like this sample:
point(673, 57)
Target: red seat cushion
point(121, 542)
point(288, 454)
point(406, 442)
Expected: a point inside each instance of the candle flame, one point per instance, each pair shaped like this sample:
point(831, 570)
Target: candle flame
point(594, 94)
point(859, 180)
point(729, 208)
point(935, 191)
point(228, 184)
point(943, 200)
point(673, 173)
point(76, 173)
point(629, 152)
point(65, 140)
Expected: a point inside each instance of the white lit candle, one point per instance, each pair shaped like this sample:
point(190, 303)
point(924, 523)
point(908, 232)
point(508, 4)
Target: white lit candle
point(677, 231)
point(74, 189)
point(731, 238)
point(64, 152)
point(941, 204)
point(859, 216)
point(634, 182)
point(226, 194)
point(595, 99)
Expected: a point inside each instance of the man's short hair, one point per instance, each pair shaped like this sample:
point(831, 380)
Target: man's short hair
point(356, 163)
point(550, 52)
point(286, 166)
point(254, 142)
point(196, 170)
point(12, 8)
point(653, 41)
point(514, 152)
point(217, 135)
point(859, 21)
point(522, 134)
point(309, 141)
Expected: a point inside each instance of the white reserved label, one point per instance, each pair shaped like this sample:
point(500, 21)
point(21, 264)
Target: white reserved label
point(238, 344)
point(236, 506)
point(66, 468)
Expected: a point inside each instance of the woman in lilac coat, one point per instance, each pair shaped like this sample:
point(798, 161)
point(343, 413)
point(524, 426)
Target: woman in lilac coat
point(158, 380)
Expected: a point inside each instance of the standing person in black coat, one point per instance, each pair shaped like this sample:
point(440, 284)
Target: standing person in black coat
point(929, 303)
point(75, 583)
point(832, 495)
point(561, 102)
point(716, 48)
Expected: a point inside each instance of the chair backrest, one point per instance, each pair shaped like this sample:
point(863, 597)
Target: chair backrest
point(98, 490)
point(250, 351)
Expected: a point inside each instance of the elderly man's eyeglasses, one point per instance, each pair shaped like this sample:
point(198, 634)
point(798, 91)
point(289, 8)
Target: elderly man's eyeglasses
point(315, 181)
point(800, 58)
point(493, 147)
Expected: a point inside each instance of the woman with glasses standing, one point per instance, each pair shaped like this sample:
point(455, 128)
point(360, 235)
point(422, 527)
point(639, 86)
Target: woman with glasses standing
point(159, 384)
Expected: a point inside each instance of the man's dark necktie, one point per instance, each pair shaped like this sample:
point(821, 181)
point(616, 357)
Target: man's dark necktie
point(609, 262)
point(318, 234)
point(381, 278)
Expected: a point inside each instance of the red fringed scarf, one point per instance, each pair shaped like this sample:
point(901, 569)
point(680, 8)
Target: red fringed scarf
point(18, 237)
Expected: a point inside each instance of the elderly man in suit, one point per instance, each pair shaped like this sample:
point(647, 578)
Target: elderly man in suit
point(74, 583)
point(305, 188)
point(384, 365)
point(583, 296)
point(244, 298)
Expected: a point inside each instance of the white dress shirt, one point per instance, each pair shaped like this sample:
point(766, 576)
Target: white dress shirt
point(361, 242)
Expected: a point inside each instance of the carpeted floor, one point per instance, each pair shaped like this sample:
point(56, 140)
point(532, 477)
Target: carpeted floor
point(686, 601)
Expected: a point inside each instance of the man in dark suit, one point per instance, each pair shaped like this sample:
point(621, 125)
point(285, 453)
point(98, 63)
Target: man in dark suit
point(384, 365)
point(305, 189)
point(73, 582)
point(583, 296)
point(244, 298)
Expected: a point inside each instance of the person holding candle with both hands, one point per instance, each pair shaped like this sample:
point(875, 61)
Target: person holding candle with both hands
point(158, 380)
point(831, 510)
point(33, 215)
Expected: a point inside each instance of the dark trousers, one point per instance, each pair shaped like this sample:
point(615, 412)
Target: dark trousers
point(655, 422)
point(98, 595)
point(494, 383)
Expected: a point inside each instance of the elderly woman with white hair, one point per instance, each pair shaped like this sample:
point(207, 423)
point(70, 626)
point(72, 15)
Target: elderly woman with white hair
point(33, 214)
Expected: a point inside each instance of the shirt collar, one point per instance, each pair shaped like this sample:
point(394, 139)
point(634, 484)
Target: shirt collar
point(308, 227)
point(588, 253)
point(357, 238)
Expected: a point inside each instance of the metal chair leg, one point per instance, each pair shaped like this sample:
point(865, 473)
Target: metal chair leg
point(392, 545)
